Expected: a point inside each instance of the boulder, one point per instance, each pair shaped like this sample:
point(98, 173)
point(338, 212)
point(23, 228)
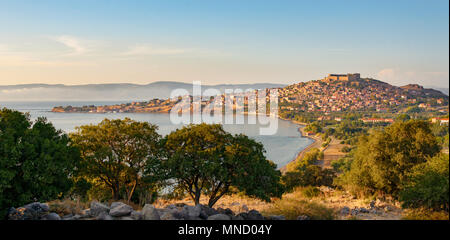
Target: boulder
point(104, 216)
point(120, 210)
point(238, 217)
point(219, 217)
point(137, 215)
point(277, 217)
point(149, 212)
point(192, 212)
point(244, 208)
point(254, 215)
point(345, 210)
point(51, 216)
point(97, 208)
point(303, 217)
point(372, 204)
point(207, 211)
point(168, 216)
point(363, 210)
point(32, 211)
point(126, 218)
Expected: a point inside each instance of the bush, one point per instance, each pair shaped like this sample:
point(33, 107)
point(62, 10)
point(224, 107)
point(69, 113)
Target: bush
point(36, 160)
point(293, 205)
point(311, 192)
point(306, 173)
point(425, 214)
point(428, 185)
point(382, 160)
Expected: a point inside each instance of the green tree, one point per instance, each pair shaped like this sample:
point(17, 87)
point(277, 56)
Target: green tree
point(116, 153)
point(428, 185)
point(205, 159)
point(383, 160)
point(36, 160)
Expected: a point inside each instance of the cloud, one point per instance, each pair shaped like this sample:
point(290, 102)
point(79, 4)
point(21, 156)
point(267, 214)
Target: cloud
point(400, 77)
point(146, 49)
point(76, 45)
point(387, 74)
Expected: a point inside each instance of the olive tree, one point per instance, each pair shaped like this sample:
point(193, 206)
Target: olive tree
point(204, 159)
point(116, 152)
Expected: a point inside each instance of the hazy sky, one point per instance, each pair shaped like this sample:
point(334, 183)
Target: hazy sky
point(242, 41)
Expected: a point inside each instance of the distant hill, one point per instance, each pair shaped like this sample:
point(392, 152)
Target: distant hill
point(108, 92)
point(416, 89)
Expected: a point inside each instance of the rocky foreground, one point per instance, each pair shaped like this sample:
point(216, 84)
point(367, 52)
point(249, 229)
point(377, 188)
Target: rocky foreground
point(122, 211)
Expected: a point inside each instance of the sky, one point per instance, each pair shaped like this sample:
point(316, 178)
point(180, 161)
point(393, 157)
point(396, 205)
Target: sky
point(233, 41)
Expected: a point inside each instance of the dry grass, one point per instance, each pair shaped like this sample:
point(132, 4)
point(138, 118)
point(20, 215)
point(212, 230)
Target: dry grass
point(65, 207)
point(297, 204)
point(425, 214)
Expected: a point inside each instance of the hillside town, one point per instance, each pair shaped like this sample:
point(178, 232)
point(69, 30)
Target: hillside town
point(327, 99)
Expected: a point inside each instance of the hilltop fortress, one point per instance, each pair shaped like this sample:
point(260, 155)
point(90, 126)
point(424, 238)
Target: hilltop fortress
point(342, 77)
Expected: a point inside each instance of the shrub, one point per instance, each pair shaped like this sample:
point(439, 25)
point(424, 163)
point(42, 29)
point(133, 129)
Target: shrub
point(383, 159)
point(293, 205)
point(425, 214)
point(36, 160)
point(428, 185)
point(311, 192)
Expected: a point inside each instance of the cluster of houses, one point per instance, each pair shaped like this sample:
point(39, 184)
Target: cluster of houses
point(339, 92)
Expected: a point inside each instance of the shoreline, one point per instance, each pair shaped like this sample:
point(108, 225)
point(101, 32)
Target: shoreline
point(317, 143)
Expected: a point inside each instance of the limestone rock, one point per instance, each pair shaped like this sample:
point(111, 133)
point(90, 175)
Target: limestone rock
point(219, 217)
point(149, 212)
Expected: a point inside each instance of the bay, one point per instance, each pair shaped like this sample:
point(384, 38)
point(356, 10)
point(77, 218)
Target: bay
point(281, 148)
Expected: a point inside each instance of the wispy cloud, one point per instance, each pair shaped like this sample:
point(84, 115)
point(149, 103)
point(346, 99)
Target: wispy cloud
point(147, 49)
point(76, 45)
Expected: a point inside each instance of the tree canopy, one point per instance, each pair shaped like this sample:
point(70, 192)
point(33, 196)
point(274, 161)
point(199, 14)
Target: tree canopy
point(36, 160)
point(383, 159)
point(116, 153)
point(205, 159)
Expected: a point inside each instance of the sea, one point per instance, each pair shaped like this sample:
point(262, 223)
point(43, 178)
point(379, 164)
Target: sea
point(281, 148)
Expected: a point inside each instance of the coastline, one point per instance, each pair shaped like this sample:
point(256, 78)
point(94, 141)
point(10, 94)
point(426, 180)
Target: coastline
point(317, 143)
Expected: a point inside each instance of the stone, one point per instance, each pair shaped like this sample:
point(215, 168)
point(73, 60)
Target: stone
point(207, 211)
point(120, 210)
point(254, 215)
point(192, 211)
point(235, 204)
point(149, 212)
point(137, 215)
point(168, 216)
point(354, 212)
point(104, 216)
point(51, 216)
point(68, 217)
point(96, 208)
point(126, 218)
point(345, 210)
point(372, 204)
point(32, 211)
point(244, 208)
point(219, 217)
point(238, 217)
point(115, 204)
point(225, 211)
point(303, 218)
point(279, 217)
point(363, 210)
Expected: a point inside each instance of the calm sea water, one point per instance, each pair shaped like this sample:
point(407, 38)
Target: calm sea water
point(281, 148)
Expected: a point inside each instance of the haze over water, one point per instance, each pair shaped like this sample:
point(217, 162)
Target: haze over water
point(281, 148)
